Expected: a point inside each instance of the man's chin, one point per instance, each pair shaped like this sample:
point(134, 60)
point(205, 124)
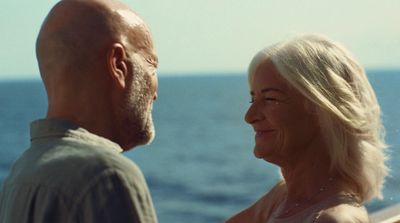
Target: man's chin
point(150, 138)
point(149, 132)
point(146, 137)
point(143, 139)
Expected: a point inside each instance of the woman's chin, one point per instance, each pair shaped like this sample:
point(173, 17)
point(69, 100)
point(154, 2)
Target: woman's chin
point(266, 154)
point(261, 152)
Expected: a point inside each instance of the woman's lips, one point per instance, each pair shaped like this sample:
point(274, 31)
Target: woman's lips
point(262, 133)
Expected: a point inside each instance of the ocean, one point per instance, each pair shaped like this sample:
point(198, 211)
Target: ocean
point(200, 167)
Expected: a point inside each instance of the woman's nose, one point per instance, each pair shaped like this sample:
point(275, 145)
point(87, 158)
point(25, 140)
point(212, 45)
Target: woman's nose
point(253, 114)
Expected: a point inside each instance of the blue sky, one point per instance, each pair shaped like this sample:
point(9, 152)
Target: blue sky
point(222, 35)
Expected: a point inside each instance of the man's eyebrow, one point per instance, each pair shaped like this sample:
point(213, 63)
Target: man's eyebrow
point(269, 89)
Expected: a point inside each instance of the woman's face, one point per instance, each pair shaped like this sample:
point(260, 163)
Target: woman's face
point(284, 128)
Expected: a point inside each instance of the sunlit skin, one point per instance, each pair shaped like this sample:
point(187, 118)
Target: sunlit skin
point(287, 134)
point(100, 71)
point(283, 127)
point(136, 107)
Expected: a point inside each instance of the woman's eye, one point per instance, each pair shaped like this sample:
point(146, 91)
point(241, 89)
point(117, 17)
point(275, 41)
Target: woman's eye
point(267, 100)
point(271, 101)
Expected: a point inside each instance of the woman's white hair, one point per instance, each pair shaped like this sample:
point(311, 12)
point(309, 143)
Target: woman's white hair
point(349, 113)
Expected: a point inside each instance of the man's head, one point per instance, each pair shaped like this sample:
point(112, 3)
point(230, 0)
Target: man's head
point(98, 64)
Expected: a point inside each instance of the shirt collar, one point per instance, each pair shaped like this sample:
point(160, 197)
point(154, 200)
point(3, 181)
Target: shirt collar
point(57, 128)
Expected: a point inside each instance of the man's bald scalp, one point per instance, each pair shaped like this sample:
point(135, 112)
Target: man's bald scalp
point(76, 34)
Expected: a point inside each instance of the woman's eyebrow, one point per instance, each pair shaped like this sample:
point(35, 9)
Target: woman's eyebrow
point(269, 89)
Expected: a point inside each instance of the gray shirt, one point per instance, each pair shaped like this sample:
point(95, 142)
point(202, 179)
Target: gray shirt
point(71, 175)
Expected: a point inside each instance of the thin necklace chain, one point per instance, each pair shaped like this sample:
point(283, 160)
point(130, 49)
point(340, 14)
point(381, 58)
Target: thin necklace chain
point(320, 190)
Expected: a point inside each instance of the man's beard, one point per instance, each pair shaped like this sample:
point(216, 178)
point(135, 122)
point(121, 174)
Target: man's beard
point(135, 116)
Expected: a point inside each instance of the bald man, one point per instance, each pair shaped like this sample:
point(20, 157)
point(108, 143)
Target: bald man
point(98, 65)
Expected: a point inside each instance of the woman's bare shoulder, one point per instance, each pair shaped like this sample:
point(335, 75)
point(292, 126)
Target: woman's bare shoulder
point(259, 210)
point(246, 215)
point(344, 213)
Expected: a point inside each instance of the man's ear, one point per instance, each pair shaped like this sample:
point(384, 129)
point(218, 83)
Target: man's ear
point(116, 61)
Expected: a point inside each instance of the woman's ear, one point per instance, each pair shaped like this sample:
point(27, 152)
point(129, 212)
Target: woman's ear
point(117, 66)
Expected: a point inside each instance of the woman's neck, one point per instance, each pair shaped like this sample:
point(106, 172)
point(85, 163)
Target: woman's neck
point(307, 172)
point(304, 182)
point(308, 181)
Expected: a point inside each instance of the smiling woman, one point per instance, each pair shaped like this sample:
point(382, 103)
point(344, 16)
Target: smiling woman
point(279, 117)
point(316, 116)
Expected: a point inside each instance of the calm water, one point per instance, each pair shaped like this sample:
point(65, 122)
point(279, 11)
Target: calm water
point(200, 166)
